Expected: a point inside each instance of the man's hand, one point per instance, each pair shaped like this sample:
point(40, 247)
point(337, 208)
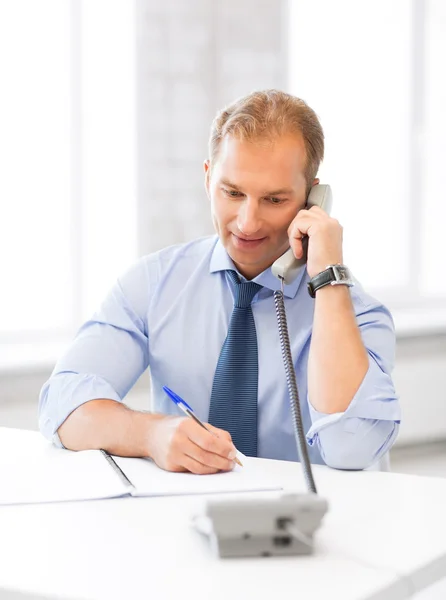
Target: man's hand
point(180, 444)
point(324, 239)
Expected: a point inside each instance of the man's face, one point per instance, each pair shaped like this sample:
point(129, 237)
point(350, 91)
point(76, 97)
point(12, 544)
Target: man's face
point(256, 189)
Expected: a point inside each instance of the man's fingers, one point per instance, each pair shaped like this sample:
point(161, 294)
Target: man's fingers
point(188, 446)
point(181, 444)
point(209, 442)
point(299, 228)
point(194, 466)
point(221, 433)
point(305, 218)
point(297, 247)
point(208, 459)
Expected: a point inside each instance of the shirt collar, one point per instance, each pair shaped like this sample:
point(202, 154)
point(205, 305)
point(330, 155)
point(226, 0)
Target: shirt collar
point(221, 261)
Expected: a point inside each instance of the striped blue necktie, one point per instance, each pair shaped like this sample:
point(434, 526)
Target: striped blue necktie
point(233, 404)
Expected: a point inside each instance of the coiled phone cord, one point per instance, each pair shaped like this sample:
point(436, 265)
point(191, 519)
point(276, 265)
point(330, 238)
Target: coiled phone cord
point(292, 389)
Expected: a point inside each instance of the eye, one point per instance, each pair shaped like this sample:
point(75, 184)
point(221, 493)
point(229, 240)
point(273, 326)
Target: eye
point(275, 200)
point(231, 193)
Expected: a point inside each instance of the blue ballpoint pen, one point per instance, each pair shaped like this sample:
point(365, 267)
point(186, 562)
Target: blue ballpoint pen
point(188, 410)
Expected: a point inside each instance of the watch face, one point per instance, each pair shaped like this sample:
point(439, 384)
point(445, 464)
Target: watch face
point(343, 274)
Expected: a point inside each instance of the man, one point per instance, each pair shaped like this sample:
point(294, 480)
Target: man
point(202, 316)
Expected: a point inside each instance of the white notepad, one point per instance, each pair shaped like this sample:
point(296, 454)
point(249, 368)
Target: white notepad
point(149, 480)
point(49, 474)
point(40, 472)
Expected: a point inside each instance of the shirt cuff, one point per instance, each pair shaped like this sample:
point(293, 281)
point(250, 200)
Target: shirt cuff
point(56, 441)
point(65, 392)
point(365, 431)
point(375, 399)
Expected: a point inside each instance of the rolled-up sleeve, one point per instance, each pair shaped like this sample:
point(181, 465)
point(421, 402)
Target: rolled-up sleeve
point(107, 356)
point(360, 436)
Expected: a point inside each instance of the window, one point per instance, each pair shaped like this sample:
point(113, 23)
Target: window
point(36, 158)
point(67, 150)
point(373, 72)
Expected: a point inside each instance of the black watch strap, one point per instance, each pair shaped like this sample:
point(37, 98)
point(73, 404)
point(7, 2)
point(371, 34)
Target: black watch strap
point(334, 275)
point(320, 280)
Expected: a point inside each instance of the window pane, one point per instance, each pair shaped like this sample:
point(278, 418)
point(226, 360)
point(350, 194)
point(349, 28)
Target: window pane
point(351, 61)
point(433, 239)
point(108, 68)
point(35, 157)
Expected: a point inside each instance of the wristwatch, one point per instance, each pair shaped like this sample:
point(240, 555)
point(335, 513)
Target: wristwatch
point(333, 275)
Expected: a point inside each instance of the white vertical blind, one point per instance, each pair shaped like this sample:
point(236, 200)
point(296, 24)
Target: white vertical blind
point(35, 159)
point(351, 61)
point(108, 100)
point(68, 161)
point(432, 204)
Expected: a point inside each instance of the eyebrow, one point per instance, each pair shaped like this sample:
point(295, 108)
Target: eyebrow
point(274, 193)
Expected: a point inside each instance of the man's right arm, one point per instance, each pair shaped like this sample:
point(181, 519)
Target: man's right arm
point(81, 404)
point(174, 443)
point(109, 425)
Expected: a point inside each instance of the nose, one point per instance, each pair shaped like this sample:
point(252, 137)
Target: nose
point(248, 218)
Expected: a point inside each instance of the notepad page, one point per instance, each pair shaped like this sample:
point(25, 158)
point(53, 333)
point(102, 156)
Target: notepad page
point(150, 480)
point(45, 473)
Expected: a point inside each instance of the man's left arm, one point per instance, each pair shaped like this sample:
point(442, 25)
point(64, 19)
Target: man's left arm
point(353, 406)
point(338, 360)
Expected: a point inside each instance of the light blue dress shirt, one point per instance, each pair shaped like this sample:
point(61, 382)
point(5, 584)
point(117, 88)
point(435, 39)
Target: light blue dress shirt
point(171, 311)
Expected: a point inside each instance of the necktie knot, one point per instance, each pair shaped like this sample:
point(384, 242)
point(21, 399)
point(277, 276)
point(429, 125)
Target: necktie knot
point(244, 291)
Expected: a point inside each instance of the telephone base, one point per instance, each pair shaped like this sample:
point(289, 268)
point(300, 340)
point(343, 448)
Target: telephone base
point(282, 526)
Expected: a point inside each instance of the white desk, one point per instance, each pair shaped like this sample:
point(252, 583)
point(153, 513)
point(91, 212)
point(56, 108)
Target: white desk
point(383, 538)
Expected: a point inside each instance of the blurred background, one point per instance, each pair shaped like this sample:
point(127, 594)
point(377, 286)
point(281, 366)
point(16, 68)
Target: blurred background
point(105, 110)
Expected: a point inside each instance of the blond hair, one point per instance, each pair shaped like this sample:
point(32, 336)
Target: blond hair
point(268, 114)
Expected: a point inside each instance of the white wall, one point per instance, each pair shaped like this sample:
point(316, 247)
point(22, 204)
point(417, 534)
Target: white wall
point(420, 380)
point(194, 57)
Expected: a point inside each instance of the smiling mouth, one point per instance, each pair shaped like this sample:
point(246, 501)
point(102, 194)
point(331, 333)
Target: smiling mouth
point(247, 243)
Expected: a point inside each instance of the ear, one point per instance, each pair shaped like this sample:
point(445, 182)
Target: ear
point(207, 176)
point(315, 182)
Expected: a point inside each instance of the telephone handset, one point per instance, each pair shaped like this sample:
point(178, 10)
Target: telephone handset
point(287, 266)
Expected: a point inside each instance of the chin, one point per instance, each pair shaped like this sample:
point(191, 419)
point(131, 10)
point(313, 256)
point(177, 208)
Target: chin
point(250, 260)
